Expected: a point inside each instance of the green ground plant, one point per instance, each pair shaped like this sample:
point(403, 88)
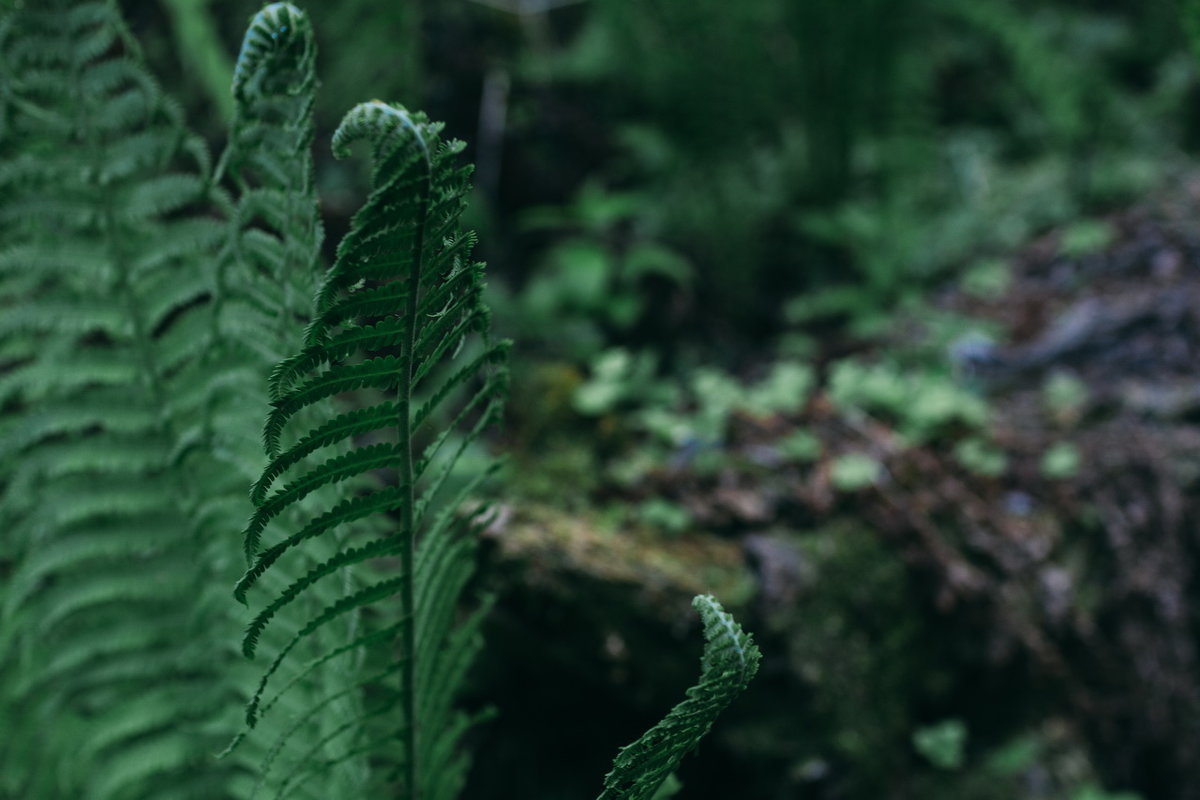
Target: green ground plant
point(156, 309)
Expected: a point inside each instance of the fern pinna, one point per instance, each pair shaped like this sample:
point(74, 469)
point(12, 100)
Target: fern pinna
point(400, 322)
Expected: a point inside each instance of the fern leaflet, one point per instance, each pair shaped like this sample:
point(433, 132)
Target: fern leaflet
point(730, 660)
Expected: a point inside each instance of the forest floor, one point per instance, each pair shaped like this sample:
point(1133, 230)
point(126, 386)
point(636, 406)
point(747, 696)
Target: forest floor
point(1039, 560)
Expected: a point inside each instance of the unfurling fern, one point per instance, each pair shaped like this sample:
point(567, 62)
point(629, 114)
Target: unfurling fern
point(264, 293)
point(399, 319)
point(270, 267)
point(729, 662)
point(269, 261)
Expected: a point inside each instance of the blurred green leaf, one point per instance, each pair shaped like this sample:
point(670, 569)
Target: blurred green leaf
point(855, 471)
point(1085, 237)
point(943, 744)
point(1061, 461)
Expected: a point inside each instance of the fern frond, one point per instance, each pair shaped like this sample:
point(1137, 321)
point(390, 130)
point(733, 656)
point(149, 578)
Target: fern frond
point(113, 483)
point(400, 324)
point(730, 660)
point(270, 262)
point(263, 299)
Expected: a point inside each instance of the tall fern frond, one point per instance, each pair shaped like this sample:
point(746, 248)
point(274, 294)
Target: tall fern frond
point(268, 265)
point(270, 268)
point(730, 660)
point(263, 300)
point(110, 639)
point(399, 325)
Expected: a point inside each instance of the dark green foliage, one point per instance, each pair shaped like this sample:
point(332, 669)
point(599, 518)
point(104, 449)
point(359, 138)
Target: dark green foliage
point(853, 152)
point(853, 79)
point(729, 663)
point(200, 51)
point(1190, 13)
point(707, 84)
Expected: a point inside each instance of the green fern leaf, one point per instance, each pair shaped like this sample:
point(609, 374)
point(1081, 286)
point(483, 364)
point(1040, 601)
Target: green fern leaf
point(136, 360)
point(271, 259)
point(105, 238)
point(730, 660)
point(399, 323)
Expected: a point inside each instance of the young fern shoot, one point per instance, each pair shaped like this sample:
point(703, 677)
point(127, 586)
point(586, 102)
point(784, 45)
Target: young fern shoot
point(730, 660)
point(269, 272)
point(401, 329)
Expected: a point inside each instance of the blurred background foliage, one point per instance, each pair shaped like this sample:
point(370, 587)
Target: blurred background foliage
point(723, 235)
point(708, 161)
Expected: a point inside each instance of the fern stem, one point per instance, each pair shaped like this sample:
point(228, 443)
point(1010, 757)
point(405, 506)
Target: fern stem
point(408, 687)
